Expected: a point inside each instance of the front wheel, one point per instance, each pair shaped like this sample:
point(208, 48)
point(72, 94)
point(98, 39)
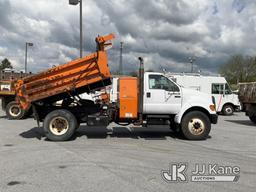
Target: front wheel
point(195, 125)
point(228, 110)
point(60, 125)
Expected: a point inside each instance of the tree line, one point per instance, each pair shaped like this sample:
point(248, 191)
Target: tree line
point(4, 64)
point(239, 68)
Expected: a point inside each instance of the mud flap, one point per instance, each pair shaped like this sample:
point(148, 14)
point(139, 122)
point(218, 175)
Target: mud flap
point(36, 116)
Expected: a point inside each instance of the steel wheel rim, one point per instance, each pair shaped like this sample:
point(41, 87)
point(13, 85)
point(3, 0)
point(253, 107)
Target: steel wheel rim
point(196, 126)
point(59, 126)
point(15, 111)
point(228, 110)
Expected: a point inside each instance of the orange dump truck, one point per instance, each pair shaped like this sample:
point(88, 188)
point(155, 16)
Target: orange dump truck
point(7, 96)
point(151, 98)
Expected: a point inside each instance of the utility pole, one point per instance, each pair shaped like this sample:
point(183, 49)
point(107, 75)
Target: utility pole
point(26, 55)
point(81, 29)
point(75, 2)
point(121, 58)
point(192, 61)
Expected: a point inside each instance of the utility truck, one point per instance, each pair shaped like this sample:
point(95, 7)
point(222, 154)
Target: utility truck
point(226, 100)
point(152, 98)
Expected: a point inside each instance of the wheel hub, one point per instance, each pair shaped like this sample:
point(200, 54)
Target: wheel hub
point(196, 126)
point(228, 110)
point(15, 111)
point(59, 125)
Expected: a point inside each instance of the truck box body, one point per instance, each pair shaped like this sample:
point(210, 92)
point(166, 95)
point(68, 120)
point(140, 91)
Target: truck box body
point(216, 86)
point(79, 76)
point(247, 92)
point(247, 96)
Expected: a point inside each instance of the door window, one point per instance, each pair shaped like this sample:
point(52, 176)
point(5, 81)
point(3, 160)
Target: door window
point(161, 82)
point(227, 90)
point(217, 88)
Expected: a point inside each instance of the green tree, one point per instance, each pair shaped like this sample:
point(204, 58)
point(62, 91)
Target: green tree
point(5, 64)
point(133, 73)
point(239, 69)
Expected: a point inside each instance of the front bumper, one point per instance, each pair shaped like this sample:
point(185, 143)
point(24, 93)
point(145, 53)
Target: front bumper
point(214, 118)
point(238, 108)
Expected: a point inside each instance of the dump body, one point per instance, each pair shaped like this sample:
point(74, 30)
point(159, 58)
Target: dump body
point(75, 77)
point(247, 92)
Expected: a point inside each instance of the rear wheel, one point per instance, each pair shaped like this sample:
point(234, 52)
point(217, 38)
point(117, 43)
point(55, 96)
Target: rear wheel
point(253, 118)
point(228, 109)
point(60, 125)
point(13, 111)
point(195, 125)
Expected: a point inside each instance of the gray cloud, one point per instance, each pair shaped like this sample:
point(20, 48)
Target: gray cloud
point(165, 32)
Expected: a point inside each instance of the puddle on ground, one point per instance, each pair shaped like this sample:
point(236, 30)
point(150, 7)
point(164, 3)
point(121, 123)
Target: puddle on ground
point(12, 183)
point(8, 145)
point(62, 166)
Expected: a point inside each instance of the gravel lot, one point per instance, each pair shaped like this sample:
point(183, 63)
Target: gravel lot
point(124, 159)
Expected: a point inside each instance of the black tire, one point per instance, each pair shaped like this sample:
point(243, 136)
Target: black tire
point(228, 110)
point(13, 111)
point(253, 118)
point(78, 125)
point(60, 121)
point(195, 125)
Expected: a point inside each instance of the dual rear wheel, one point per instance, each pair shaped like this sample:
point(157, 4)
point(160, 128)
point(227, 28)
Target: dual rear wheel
point(60, 125)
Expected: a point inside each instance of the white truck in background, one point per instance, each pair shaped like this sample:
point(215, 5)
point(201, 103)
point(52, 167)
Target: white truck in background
point(226, 101)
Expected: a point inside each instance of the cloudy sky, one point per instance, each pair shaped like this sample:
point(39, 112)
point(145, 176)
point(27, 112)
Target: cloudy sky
point(165, 32)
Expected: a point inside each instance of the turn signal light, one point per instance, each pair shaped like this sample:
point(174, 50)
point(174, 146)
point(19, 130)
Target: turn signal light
point(212, 107)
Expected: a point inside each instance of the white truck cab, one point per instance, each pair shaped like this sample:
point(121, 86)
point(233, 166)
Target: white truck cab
point(188, 111)
point(226, 101)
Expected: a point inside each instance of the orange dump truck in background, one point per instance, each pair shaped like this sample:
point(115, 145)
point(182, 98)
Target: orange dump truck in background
point(7, 97)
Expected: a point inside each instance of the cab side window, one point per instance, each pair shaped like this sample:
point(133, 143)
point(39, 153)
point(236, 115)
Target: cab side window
point(217, 88)
point(162, 82)
point(227, 90)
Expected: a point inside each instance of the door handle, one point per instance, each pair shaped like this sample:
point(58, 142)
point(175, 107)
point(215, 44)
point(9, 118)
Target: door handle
point(174, 93)
point(177, 96)
point(148, 94)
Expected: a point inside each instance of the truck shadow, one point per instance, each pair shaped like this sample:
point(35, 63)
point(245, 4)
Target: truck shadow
point(242, 122)
point(36, 132)
point(151, 133)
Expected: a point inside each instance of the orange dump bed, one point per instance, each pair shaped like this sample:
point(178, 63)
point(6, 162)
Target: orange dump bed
point(81, 75)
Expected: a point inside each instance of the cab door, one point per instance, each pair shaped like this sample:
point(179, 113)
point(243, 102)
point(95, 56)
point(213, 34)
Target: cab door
point(218, 93)
point(162, 96)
